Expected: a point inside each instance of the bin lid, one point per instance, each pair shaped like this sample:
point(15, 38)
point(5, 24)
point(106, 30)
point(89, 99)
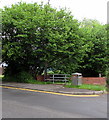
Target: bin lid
point(79, 74)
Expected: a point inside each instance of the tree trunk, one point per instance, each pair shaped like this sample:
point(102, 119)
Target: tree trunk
point(45, 71)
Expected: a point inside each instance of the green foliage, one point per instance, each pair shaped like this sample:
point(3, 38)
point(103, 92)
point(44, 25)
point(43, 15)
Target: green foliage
point(37, 37)
point(23, 77)
point(95, 60)
point(1, 76)
point(107, 70)
point(50, 72)
point(107, 76)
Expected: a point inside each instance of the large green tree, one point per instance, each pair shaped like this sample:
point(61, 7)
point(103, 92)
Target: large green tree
point(37, 37)
point(95, 60)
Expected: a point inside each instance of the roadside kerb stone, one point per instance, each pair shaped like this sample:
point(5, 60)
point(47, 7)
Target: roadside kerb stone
point(54, 88)
point(82, 93)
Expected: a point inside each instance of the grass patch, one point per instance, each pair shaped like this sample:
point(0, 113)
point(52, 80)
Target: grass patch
point(39, 82)
point(89, 87)
point(1, 76)
point(32, 81)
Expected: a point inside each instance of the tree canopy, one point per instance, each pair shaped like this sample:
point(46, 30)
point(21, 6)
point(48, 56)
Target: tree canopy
point(95, 61)
point(37, 37)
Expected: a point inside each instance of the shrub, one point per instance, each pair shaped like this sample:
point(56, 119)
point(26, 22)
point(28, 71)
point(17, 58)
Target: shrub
point(108, 79)
point(23, 77)
point(107, 76)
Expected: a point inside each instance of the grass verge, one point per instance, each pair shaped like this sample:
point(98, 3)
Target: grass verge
point(89, 87)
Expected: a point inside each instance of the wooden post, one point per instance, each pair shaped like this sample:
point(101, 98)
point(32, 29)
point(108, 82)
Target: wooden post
point(99, 74)
point(53, 78)
point(65, 78)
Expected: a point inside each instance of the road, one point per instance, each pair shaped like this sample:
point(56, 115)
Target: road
point(26, 104)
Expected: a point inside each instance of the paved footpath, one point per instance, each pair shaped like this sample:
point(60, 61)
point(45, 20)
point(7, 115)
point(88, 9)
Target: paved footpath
point(53, 88)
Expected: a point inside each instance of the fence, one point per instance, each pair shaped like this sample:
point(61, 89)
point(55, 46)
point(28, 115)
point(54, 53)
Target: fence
point(58, 77)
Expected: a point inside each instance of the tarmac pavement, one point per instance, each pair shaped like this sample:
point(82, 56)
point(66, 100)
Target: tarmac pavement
point(53, 88)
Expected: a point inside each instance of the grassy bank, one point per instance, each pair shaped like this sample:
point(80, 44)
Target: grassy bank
point(89, 87)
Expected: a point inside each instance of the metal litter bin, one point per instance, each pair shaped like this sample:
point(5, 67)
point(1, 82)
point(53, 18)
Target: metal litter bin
point(76, 79)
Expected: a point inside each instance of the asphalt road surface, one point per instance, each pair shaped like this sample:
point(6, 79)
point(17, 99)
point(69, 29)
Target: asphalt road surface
point(25, 104)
